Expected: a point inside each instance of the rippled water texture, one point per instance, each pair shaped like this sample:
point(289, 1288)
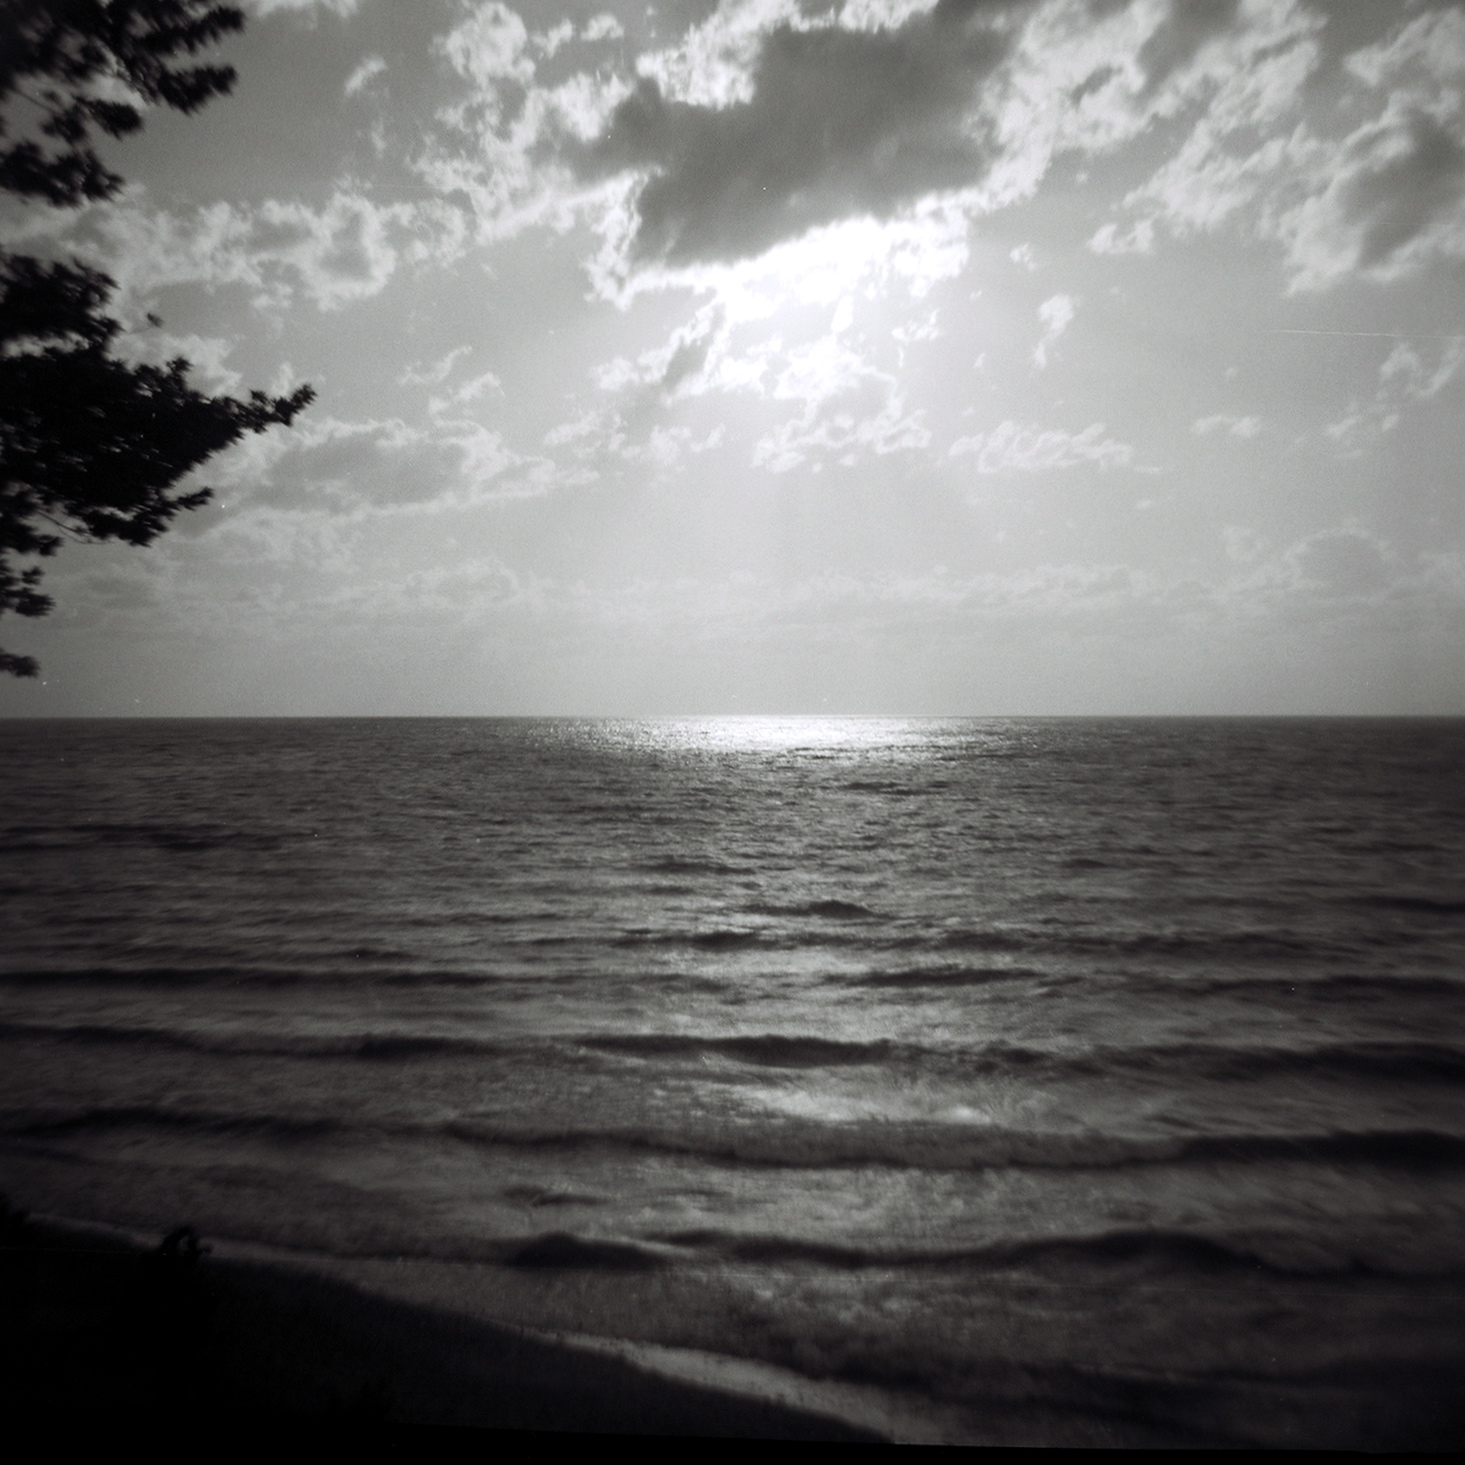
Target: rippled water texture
point(1010, 1064)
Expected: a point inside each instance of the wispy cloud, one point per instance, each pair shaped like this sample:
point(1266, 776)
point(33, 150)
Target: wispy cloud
point(1056, 314)
point(1229, 422)
point(371, 68)
point(1413, 373)
point(339, 8)
point(1011, 447)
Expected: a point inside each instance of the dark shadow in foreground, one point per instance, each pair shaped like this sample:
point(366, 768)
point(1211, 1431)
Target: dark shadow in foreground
point(102, 1337)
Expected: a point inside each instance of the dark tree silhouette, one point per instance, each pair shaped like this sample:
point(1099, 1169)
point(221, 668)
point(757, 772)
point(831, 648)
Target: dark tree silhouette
point(91, 446)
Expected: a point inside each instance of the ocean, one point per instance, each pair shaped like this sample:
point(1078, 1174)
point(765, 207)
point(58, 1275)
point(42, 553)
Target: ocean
point(1057, 1077)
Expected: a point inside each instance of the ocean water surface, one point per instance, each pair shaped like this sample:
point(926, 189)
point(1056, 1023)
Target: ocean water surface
point(1042, 1070)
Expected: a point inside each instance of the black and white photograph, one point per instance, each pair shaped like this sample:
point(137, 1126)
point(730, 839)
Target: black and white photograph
point(732, 721)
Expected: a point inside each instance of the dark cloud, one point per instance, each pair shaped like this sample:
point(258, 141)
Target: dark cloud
point(1395, 201)
point(687, 360)
point(1175, 41)
point(840, 123)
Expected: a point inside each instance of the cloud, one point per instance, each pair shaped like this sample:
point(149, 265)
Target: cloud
point(1140, 239)
point(840, 369)
point(420, 375)
point(354, 468)
point(924, 329)
point(665, 448)
point(1395, 187)
point(1380, 200)
point(606, 439)
point(1244, 427)
point(866, 414)
point(836, 354)
point(335, 253)
point(1412, 373)
point(602, 27)
point(491, 45)
point(479, 386)
point(204, 354)
point(497, 145)
point(1056, 314)
point(361, 78)
point(1341, 564)
point(341, 8)
point(1347, 577)
point(1011, 447)
point(1395, 197)
point(837, 123)
point(340, 253)
point(763, 123)
point(1186, 27)
point(576, 430)
point(767, 120)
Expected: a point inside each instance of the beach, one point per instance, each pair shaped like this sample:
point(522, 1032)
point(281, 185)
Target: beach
point(96, 1336)
point(104, 1334)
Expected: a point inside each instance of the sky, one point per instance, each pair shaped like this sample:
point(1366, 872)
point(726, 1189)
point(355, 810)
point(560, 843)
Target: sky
point(996, 357)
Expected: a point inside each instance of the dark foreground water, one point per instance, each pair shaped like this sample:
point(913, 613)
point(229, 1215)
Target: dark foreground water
point(1100, 1069)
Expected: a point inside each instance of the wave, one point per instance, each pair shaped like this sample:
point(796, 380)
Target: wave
point(1175, 945)
point(938, 1147)
point(1436, 1063)
point(383, 1046)
point(1191, 1062)
point(1326, 988)
point(1169, 1250)
point(718, 939)
point(159, 976)
point(896, 960)
point(1243, 945)
point(151, 1116)
point(764, 1049)
point(728, 938)
point(1433, 1062)
point(559, 1249)
point(1329, 987)
point(806, 1145)
point(972, 940)
point(1409, 1147)
point(773, 1049)
point(360, 969)
point(184, 838)
point(724, 940)
point(962, 976)
point(685, 865)
point(832, 910)
point(1414, 904)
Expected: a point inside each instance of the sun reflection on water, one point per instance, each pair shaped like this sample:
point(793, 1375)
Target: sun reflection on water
point(751, 733)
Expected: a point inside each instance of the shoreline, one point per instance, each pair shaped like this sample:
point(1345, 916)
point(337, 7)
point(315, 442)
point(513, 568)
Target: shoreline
point(461, 1290)
point(100, 1330)
point(104, 1329)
